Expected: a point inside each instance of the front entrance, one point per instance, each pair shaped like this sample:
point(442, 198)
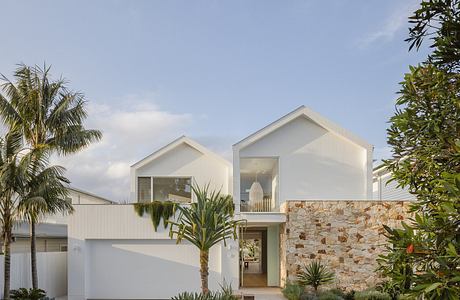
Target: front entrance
point(253, 257)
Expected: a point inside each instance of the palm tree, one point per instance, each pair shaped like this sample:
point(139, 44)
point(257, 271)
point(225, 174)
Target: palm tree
point(11, 181)
point(43, 192)
point(50, 118)
point(205, 223)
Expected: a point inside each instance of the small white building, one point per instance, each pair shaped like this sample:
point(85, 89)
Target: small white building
point(113, 253)
point(384, 188)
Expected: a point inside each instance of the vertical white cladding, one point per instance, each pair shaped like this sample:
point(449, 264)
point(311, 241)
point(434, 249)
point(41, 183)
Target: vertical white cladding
point(314, 163)
point(113, 253)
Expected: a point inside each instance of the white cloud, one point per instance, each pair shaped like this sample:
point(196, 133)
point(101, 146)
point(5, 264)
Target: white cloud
point(393, 24)
point(132, 128)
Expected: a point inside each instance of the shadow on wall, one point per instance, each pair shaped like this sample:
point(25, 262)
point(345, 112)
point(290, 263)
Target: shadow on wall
point(323, 179)
point(172, 161)
point(139, 269)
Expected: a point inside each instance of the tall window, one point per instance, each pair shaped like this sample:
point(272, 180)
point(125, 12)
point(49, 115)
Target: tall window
point(144, 189)
point(177, 189)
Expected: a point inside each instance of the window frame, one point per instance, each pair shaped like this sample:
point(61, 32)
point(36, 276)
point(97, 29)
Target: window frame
point(192, 197)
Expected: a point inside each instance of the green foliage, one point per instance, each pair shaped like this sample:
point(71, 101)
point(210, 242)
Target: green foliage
point(28, 294)
point(392, 288)
point(225, 294)
point(371, 295)
point(315, 274)
point(324, 295)
point(422, 258)
point(157, 210)
point(329, 295)
point(439, 20)
point(292, 291)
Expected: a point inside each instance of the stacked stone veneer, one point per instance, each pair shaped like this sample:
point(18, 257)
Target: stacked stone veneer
point(347, 236)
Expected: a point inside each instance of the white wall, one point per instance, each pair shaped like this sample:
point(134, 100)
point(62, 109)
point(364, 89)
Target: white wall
point(314, 164)
point(185, 160)
point(52, 272)
point(113, 253)
point(146, 269)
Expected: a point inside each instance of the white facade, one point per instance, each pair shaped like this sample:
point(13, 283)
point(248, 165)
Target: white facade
point(317, 160)
point(185, 158)
point(113, 253)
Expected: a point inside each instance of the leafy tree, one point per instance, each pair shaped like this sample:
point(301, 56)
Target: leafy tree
point(422, 259)
point(440, 21)
point(50, 118)
point(205, 223)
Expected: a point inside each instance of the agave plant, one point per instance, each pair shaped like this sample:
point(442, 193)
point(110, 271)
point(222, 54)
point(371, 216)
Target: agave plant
point(315, 274)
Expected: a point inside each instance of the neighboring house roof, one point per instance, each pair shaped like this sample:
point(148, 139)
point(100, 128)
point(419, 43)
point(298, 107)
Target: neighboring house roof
point(41, 230)
point(89, 194)
point(177, 142)
point(308, 113)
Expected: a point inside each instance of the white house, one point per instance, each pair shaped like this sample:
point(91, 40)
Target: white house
point(113, 253)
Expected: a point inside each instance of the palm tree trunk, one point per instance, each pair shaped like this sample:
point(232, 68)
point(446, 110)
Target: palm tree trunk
point(204, 259)
point(7, 267)
point(33, 255)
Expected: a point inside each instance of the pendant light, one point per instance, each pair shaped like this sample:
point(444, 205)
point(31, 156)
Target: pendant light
point(256, 193)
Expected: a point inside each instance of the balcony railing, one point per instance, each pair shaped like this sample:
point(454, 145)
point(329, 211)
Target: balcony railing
point(266, 205)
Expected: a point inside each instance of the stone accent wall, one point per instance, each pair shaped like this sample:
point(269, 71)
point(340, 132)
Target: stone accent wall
point(346, 235)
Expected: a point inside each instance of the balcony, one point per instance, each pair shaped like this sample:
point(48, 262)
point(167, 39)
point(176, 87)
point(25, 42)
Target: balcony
point(263, 206)
point(259, 184)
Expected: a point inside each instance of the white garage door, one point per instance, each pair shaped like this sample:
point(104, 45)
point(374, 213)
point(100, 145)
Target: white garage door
point(145, 269)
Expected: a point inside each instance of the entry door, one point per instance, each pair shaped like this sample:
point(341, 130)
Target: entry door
point(253, 258)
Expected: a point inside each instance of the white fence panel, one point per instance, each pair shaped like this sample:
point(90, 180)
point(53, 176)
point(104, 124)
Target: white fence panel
point(52, 272)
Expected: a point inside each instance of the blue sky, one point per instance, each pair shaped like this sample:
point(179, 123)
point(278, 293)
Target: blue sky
point(213, 70)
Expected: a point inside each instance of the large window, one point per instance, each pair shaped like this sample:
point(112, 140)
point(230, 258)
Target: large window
point(176, 189)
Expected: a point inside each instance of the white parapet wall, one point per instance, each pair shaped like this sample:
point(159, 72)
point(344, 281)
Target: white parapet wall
point(115, 254)
point(52, 272)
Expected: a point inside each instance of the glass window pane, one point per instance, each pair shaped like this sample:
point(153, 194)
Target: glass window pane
point(172, 189)
point(144, 189)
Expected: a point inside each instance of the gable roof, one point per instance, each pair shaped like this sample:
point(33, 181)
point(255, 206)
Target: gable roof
point(72, 188)
point(310, 114)
point(177, 142)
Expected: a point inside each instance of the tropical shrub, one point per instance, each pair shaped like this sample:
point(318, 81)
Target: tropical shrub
point(225, 294)
point(28, 294)
point(315, 274)
point(292, 291)
point(205, 223)
point(371, 295)
point(323, 295)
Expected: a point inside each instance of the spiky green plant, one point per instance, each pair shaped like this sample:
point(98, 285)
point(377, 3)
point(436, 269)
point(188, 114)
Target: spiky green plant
point(205, 223)
point(315, 274)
